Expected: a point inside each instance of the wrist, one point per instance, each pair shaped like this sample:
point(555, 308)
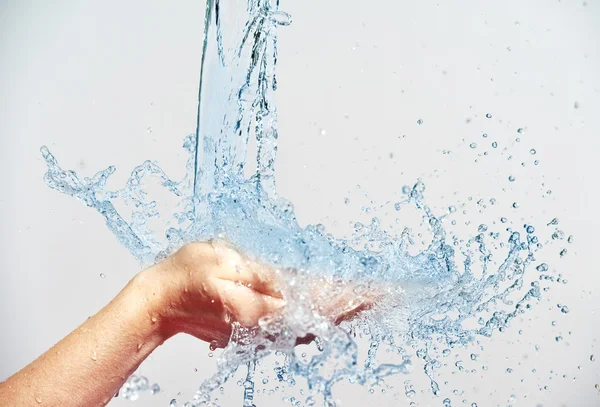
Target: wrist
point(153, 294)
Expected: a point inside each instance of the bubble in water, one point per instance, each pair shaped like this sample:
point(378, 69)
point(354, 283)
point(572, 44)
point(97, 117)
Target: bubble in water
point(532, 151)
point(511, 178)
point(515, 205)
point(473, 145)
point(488, 115)
point(420, 122)
point(495, 144)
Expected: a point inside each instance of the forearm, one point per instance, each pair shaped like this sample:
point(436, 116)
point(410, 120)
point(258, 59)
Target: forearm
point(91, 364)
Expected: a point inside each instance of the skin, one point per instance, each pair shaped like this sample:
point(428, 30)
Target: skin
point(200, 290)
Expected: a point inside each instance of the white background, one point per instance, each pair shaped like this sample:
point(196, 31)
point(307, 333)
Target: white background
point(115, 82)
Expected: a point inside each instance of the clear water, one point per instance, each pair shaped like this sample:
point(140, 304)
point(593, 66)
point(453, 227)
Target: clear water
point(428, 302)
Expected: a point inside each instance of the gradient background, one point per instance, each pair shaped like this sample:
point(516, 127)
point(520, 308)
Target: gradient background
point(115, 82)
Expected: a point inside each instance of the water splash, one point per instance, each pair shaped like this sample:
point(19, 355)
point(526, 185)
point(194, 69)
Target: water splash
point(137, 385)
point(428, 304)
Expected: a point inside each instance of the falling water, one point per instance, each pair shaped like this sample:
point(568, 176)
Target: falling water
point(426, 303)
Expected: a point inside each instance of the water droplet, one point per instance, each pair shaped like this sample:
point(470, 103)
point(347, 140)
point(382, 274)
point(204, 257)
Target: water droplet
point(509, 370)
point(102, 275)
point(484, 135)
point(281, 18)
point(530, 229)
point(532, 151)
point(489, 115)
point(473, 356)
point(346, 201)
point(406, 189)
point(210, 354)
point(511, 178)
point(213, 346)
point(515, 205)
point(503, 220)
point(323, 132)
point(592, 358)
point(173, 403)
point(149, 130)
point(520, 130)
point(482, 228)
point(397, 206)
point(38, 399)
point(494, 144)
point(564, 309)
point(452, 209)
point(473, 145)
point(155, 388)
point(94, 356)
point(570, 239)
point(420, 122)
point(265, 381)
point(558, 338)
point(542, 268)
point(563, 252)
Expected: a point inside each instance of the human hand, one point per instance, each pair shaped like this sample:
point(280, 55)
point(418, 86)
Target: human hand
point(204, 287)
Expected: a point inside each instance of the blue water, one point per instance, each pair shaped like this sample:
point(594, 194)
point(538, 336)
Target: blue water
point(427, 303)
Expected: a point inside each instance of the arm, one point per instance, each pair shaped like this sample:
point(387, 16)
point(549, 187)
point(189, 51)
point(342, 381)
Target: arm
point(196, 291)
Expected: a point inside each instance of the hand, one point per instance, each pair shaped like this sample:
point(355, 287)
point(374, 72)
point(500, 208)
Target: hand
point(204, 287)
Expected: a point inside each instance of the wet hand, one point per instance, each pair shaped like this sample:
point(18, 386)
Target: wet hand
point(204, 287)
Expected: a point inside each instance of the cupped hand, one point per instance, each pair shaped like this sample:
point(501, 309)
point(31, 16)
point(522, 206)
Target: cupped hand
point(205, 287)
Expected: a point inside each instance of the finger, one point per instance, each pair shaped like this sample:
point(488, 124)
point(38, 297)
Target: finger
point(247, 306)
point(237, 268)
